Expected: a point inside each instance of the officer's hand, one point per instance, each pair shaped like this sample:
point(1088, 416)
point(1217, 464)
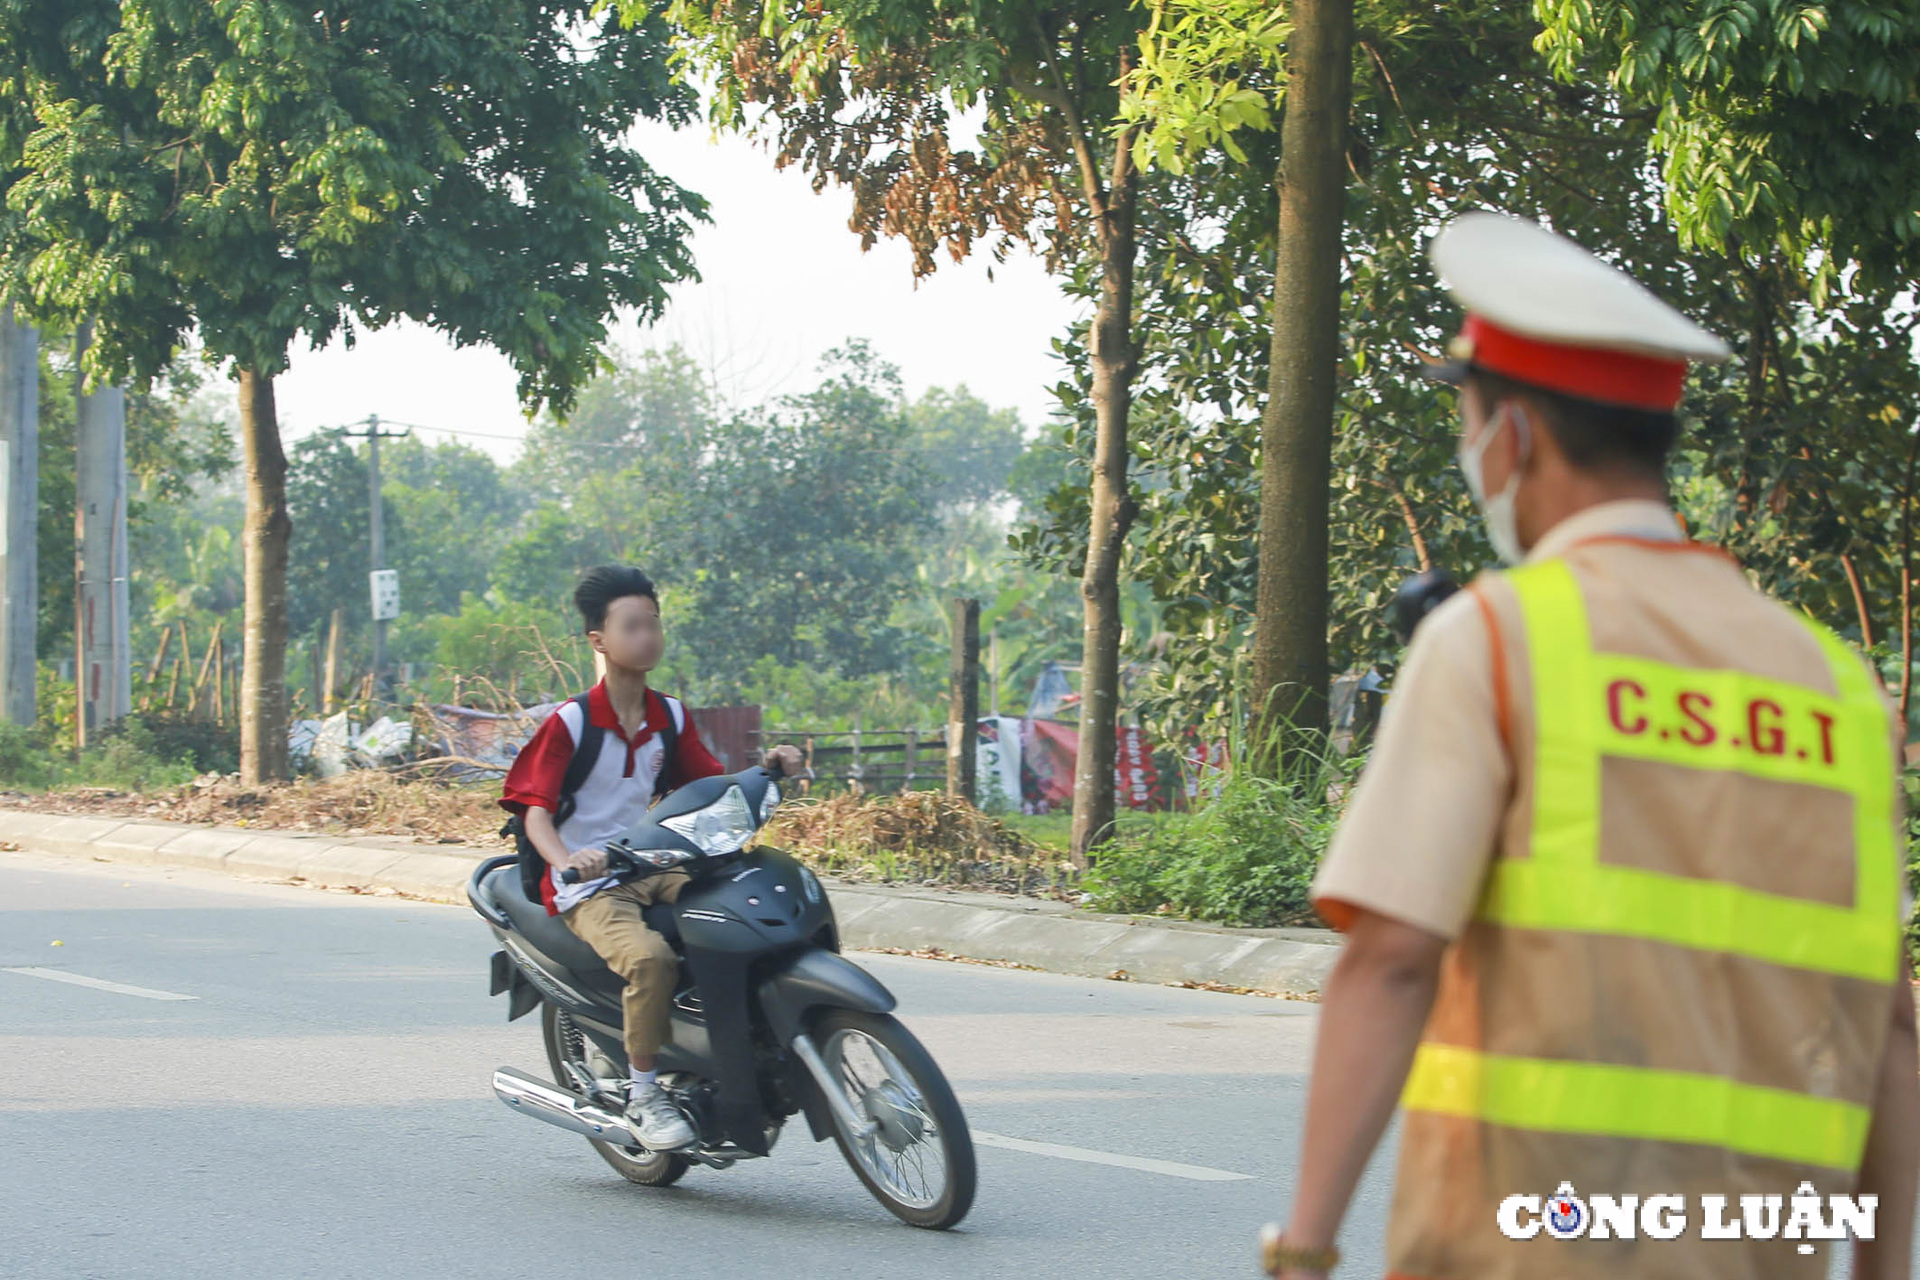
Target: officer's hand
point(785, 761)
point(590, 863)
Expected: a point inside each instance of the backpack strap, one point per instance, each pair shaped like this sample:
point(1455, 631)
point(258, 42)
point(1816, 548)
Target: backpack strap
point(586, 751)
point(669, 739)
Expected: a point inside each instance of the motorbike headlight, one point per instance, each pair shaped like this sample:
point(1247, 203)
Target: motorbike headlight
point(722, 827)
point(769, 802)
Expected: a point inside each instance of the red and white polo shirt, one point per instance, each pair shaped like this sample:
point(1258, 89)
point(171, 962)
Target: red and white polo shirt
point(616, 794)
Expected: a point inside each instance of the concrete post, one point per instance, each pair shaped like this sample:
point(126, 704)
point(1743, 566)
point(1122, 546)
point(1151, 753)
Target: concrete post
point(19, 508)
point(105, 673)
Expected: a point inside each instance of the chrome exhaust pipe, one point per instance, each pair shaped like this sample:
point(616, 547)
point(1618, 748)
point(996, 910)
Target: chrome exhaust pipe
point(543, 1101)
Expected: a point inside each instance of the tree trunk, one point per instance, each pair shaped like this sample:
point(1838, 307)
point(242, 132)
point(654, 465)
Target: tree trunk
point(329, 701)
point(1859, 601)
point(963, 716)
point(263, 690)
point(1296, 434)
point(1111, 515)
point(1420, 552)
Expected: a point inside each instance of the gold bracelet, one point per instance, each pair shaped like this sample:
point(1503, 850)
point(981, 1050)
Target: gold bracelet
point(1276, 1255)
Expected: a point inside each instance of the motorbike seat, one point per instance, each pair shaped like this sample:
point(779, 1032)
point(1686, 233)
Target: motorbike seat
point(550, 934)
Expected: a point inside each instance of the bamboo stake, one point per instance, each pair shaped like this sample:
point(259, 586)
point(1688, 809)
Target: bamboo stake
point(206, 665)
point(331, 703)
point(220, 684)
point(173, 683)
point(159, 656)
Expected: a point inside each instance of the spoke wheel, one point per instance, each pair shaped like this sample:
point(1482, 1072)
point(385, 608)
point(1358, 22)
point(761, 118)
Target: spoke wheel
point(918, 1158)
point(565, 1043)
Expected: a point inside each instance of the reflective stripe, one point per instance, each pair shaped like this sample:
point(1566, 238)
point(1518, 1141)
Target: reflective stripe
point(1588, 706)
point(1636, 1102)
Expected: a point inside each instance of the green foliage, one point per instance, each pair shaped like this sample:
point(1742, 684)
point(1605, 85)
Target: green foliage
point(1781, 124)
point(262, 171)
point(795, 524)
point(1794, 455)
point(24, 762)
point(1247, 857)
point(495, 650)
point(1190, 87)
point(129, 756)
point(329, 555)
point(969, 449)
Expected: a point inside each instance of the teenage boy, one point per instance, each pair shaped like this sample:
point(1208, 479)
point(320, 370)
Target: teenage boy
point(621, 612)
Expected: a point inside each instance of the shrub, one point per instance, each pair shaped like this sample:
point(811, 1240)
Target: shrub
point(25, 763)
point(1247, 858)
point(129, 757)
point(209, 748)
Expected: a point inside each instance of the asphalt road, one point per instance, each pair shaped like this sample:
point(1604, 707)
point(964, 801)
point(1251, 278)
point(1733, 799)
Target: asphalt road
point(321, 1107)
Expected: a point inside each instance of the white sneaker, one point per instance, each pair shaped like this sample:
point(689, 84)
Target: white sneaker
point(655, 1121)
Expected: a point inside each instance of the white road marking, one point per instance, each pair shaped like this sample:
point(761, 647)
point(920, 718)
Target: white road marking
point(99, 984)
point(1197, 1173)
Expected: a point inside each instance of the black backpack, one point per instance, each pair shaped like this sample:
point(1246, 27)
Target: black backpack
point(533, 867)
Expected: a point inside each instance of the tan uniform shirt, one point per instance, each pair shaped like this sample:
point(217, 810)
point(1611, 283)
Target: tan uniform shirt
point(1426, 816)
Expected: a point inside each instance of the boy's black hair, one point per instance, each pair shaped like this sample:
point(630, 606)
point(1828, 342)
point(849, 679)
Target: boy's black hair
point(1594, 436)
point(601, 585)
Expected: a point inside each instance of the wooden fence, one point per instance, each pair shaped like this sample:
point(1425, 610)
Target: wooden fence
point(868, 761)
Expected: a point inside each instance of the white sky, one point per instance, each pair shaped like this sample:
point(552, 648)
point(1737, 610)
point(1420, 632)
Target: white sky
point(783, 280)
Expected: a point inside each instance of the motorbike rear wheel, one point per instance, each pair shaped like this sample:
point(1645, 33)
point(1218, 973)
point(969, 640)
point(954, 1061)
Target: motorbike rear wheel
point(637, 1164)
point(918, 1161)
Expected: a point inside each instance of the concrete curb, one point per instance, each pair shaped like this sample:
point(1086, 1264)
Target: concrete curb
point(1027, 931)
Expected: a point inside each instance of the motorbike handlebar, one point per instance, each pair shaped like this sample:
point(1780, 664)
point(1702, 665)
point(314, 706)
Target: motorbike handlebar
point(623, 864)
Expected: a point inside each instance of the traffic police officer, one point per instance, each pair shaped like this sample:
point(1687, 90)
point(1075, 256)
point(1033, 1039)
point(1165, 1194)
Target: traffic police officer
point(1628, 849)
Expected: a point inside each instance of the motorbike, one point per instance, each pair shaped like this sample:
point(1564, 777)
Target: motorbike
point(769, 1020)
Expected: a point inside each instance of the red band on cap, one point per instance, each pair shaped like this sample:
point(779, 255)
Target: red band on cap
point(1612, 377)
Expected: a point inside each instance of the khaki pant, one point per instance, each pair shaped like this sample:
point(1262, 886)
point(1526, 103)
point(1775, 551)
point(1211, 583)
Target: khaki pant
point(611, 924)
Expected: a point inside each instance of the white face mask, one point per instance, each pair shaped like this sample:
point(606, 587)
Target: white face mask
point(1503, 523)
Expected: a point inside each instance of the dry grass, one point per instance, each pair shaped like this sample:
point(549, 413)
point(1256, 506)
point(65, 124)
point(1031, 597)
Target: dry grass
point(362, 803)
point(922, 837)
point(919, 837)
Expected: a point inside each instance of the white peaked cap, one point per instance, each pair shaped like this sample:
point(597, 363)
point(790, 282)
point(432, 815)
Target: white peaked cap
point(1542, 310)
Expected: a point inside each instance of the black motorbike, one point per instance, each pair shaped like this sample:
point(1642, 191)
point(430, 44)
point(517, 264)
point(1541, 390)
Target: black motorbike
point(768, 1019)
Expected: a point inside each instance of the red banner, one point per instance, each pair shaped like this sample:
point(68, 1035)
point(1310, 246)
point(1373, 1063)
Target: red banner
point(1049, 749)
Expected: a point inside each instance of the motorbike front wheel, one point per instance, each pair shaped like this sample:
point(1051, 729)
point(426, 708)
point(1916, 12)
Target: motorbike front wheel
point(565, 1042)
point(918, 1158)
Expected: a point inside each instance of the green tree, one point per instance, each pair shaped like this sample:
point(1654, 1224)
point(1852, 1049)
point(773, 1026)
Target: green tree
point(454, 508)
point(797, 538)
point(861, 93)
point(258, 171)
point(655, 408)
point(330, 547)
point(1780, 124)
point(1790, 457)
point(779, 536)
point(970, 448)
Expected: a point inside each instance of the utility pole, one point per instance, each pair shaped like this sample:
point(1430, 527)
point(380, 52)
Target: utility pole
point(371, 432)
point(103, 676)
point(19, 505)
